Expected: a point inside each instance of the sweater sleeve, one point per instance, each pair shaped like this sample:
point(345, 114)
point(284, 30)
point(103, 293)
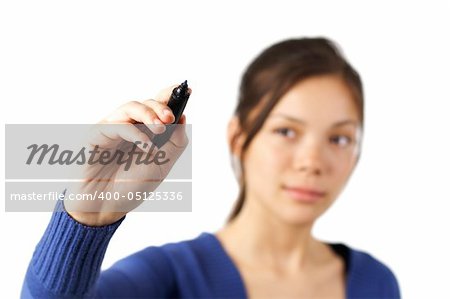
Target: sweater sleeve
point(66, 264)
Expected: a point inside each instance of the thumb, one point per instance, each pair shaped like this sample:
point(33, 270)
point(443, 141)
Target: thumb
point(179, 137)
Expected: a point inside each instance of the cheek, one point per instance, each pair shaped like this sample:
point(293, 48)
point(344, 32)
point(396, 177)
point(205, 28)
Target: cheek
point(342, 168)
point(263, 165)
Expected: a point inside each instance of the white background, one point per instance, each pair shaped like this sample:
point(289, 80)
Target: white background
point(76, 61)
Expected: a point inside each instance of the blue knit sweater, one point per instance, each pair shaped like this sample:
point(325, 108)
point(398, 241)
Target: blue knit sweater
point(66, 264)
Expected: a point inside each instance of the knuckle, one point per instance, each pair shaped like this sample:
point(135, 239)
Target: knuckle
point(158, 105)
point(149, 112)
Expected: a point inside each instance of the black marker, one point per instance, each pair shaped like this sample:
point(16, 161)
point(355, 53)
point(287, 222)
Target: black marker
point(177, 103)
point(178, 100)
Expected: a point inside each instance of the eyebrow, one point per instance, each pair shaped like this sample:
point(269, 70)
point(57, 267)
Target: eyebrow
point(302, 122)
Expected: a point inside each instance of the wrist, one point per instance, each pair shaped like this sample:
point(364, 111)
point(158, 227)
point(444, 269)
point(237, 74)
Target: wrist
point(96, 218)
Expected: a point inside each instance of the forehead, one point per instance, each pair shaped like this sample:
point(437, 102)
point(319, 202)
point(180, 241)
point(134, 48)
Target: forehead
point(325, 99)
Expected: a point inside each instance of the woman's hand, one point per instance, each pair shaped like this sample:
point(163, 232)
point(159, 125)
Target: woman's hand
point(122, 131)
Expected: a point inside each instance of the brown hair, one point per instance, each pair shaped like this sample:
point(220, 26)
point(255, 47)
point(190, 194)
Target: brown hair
point(276, 70)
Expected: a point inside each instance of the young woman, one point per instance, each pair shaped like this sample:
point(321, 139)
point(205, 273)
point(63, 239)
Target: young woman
point(294, 138)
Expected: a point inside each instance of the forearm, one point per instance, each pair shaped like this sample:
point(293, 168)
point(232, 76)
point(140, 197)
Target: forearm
point(66, 262)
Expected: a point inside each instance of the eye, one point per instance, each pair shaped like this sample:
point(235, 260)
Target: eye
point(341, 140)
point(287, 132)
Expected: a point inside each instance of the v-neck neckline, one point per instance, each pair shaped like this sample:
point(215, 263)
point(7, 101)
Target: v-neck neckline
point(340, 249)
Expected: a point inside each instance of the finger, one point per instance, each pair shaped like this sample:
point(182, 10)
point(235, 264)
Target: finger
point(179, 137)
point(136, 112)
point(125, 131)
point(159, 104)
point(162, 110)
point(182, 119)
point(164, 95)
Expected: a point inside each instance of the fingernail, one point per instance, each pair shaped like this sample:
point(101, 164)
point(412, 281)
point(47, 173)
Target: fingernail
point(157, 122)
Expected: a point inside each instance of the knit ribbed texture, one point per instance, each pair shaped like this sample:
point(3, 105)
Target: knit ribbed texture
point(67, 260)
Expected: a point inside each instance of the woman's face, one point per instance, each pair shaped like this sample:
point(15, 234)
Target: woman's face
point(303, 155)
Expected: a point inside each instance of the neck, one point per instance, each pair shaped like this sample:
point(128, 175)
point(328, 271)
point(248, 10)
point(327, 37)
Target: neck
point(260, 238)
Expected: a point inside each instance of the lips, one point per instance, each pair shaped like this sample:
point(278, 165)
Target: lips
point(304, 194)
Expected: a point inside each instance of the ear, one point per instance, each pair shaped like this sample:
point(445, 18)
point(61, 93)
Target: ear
point(235, 135)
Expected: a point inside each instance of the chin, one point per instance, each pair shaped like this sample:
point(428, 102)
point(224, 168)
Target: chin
point(299, 216)
point(301, 213)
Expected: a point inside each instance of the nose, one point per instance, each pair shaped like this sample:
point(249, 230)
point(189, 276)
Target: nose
point(309, 158)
